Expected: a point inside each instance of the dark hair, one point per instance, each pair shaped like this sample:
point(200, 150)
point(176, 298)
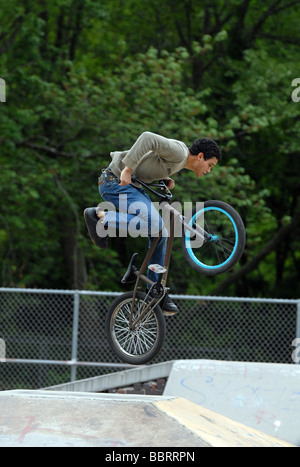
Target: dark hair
point(208, 146)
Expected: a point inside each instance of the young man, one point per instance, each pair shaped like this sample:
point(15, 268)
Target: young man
point(152, 157)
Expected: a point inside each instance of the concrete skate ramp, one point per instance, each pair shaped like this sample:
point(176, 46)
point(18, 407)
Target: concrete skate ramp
point(263, 396)
point(50, 418)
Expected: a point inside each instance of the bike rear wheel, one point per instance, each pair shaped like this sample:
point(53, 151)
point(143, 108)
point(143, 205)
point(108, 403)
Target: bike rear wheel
point(224, 242)
point(141, 344)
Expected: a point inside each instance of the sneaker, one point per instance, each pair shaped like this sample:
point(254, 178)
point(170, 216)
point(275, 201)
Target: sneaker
point(168, 307)
point(91, 220)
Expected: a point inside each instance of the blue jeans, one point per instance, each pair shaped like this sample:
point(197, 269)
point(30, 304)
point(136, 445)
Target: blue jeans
point(135, 215)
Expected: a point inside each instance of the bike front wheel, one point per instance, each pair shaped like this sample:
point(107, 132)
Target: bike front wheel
point(224, 238)
point(133, 343)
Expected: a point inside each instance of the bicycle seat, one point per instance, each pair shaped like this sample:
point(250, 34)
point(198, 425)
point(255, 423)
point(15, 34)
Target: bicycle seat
point(129, 275)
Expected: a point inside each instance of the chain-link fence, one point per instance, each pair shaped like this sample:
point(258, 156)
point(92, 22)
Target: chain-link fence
point(55, 336)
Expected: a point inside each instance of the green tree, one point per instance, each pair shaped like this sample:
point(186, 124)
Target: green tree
point(84, 79)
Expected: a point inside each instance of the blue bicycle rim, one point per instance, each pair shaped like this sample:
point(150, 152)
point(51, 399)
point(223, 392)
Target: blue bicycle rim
point(188, 241)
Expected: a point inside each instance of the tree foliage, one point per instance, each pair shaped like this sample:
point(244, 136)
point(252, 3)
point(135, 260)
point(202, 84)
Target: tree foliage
point(84, 78)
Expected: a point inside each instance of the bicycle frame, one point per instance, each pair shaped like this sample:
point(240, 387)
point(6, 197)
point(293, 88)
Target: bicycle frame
point(197, 231)
point(135, 322)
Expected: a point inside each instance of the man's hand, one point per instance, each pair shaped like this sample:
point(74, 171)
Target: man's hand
point(170, 183)
point(125, 177)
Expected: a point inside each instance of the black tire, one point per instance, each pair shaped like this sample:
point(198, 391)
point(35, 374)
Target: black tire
point(142, 344)
point(226, 244)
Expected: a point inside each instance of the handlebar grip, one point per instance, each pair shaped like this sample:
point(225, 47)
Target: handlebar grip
point(133, 179)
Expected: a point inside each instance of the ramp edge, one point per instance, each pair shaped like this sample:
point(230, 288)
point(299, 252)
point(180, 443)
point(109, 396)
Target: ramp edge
point(215, 429)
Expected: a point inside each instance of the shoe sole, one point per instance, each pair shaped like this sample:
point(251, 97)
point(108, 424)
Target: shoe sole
point(170, 313)
point(88, 229)
point(103, 246)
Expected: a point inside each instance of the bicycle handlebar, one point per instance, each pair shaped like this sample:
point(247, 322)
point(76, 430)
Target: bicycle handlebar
point(167, 195)
point(161, 184)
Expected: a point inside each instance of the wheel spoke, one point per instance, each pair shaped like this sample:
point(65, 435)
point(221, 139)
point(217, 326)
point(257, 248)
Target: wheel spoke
point(139, 340)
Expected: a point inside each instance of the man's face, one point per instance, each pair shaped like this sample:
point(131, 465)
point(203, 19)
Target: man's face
point(202, 166)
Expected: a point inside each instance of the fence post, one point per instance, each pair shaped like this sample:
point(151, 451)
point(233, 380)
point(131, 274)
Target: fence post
point(298, 325)
point(75, 336)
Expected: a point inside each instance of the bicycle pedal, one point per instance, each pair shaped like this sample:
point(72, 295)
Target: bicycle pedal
point(157, 268)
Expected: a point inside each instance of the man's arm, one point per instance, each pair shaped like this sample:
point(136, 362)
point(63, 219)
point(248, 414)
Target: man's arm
point(144, 144)
point(168, 149)
point(125, 177)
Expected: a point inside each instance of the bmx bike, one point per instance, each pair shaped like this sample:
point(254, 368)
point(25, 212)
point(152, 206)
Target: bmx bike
point(212, 241)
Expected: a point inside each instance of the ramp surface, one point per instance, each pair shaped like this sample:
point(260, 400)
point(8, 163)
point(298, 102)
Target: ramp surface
point(46, 418)
point(263, 396)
